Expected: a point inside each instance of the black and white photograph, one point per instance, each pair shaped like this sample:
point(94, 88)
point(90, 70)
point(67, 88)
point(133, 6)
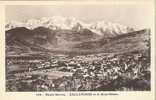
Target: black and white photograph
point(77, 48)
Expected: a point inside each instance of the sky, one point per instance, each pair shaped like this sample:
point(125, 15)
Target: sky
point(130, 15)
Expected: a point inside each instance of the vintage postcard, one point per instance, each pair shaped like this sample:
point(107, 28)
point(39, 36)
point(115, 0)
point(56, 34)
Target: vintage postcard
point(103, 50)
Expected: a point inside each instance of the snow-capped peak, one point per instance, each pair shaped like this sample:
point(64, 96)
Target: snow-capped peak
point(108, 27)
point(13, 24)
point(71, 23)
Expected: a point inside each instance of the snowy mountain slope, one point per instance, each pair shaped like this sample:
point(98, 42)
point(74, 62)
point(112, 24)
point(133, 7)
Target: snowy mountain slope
point(107, 29)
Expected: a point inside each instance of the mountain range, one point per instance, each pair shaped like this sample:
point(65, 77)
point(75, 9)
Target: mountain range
point(65, 23)
point(69, 35)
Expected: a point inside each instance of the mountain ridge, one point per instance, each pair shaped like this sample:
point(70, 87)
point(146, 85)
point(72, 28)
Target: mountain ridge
point(65, 23)
point(45, 40)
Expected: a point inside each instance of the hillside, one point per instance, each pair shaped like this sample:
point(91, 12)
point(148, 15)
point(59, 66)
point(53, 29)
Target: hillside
point(42, 39)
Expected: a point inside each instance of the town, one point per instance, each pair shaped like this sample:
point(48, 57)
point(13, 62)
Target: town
point(92, 72)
